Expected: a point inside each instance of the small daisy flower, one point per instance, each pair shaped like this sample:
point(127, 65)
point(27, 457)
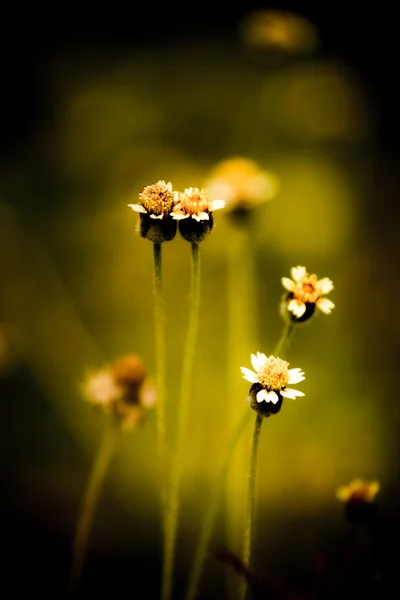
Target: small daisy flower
point(195, 203)
point(305, 292)
point(121, 390)
point(243, 184)
point(193, 210)
point(155, 207)
point(269, 380)
point(358, 499)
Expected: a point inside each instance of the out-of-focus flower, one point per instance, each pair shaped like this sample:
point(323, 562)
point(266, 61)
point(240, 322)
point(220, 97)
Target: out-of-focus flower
point(305, 292)
point(279, 31)
point(156, 203)
point(243, 184)
point(358, 498)
point(193, 210)
point(270, 378)
point(121, 389)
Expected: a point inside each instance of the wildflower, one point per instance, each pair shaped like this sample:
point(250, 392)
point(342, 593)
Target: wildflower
point(194, 211)
point(270, 378)
point(156, 203)
point(243, 184)
point(358, 499)
point(278, 31)
point(305, 292)
point(122, 390)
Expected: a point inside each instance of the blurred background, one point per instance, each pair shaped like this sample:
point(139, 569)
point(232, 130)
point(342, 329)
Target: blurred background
point(95, 104)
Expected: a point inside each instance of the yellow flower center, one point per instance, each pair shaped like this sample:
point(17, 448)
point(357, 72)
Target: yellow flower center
point(274, 374)
point(194, 201)
point(306, 289)
point(158, 198)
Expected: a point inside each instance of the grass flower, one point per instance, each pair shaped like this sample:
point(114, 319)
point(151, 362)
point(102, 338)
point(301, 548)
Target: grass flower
point(243, 184)
point(121, 390)
point(270, 379)
point(155, 207)
point(279, 31)
point(193, 210)
point(304, 293)
point(358, 500)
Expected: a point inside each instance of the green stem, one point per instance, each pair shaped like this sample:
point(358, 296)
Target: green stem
point(213, 509)
point(285, 337)
point(89, 504)
point(242, 330)
point(250, 506)
point(159, 327)
point(177, 467)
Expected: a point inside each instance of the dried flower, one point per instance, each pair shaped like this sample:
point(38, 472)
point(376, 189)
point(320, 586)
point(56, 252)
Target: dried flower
point(305, 292)
point(121, 389)
point(194, 211)
point(156, 203)
point(270, 378)
point(358, 500)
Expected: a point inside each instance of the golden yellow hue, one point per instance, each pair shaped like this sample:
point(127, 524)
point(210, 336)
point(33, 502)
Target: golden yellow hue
point(358, 489)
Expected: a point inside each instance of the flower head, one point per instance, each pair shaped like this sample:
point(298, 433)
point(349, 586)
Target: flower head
point(121, 389)
point(358, 500)
point(358, 489)
point(156, 203)
point(156, 200)
point(243, 184)
point(195, 203)
point(305, 292)
point(193, 210)
point(270, 379)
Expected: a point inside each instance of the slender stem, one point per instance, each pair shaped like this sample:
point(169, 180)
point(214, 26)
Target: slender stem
point(285, 337)
point(250, 506)
point(90, 502)
point(213, 509)
point(177, 467)
point(213, 505)
point(242, 328)
point(159, 327)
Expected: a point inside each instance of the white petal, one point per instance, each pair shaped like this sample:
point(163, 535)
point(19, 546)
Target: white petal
point(325, 305)
point(289, 393)
point(325, 285)
point(249, 375)
point(288, 284)
point(295, 376)
point(297, 307)
point(156, 216)
point(258, 361)
point(298, 273)
point(203, 216)
point(267, 396)
point(216, 204)
point(138, 208)
point(178, 216)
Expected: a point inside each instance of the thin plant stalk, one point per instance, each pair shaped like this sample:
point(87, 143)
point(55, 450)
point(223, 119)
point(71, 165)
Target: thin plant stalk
point(242, 325)
point(250, 504)
point(90, 502)
point(212, 507)
point(185, 392)
point(159, 330)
